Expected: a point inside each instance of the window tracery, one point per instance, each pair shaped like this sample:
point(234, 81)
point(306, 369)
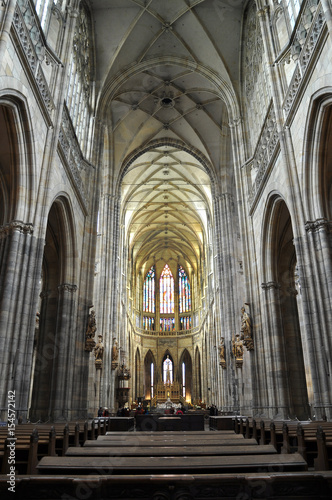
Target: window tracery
point(166, 284)
point(184, 292)
point(80, 75)
point(149, 291)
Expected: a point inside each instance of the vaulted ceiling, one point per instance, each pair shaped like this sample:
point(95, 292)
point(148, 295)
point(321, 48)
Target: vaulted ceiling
point(168, 74)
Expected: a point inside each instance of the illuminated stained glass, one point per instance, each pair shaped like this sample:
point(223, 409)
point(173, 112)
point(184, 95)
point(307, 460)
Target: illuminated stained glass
point(185, 322)
point(167, 324)
point(167, 371)
point(149, 292)
point(166, 291)
point(148, 323)
point(184, 292)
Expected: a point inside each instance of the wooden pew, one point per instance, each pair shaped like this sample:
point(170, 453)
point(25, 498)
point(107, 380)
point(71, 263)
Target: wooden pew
point(302, 485)
point(187, 450)
point(171, 465)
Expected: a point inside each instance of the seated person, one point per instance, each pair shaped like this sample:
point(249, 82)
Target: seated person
point(139, 410)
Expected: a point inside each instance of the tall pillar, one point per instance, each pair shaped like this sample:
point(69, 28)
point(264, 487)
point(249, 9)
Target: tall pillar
point(64, 365)
point(227, 280)
point(18, 304)
point(108, 301)
point(276, 404)
point(318, 287)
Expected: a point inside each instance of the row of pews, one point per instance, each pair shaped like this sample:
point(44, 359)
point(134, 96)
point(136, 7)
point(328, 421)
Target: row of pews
point(88, 460)
point(33, 441)
point(170, 453)
point(312, 439)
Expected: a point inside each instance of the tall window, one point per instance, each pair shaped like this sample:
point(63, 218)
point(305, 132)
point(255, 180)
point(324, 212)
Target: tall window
point(80, 76)
point(152, 380)
point(149, 291)
point(184, 292)
point(293, 8)
point(43, 9)
point(185, 322)
point(167, 324)
point(166, 291)
point(167, 370)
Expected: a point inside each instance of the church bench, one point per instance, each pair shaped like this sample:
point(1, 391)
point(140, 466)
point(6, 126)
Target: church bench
point(174, 440)
point(290, 436)
point(25, 455)
point(184, 433)
point(301, 485)
point(185, 450)
point(28, 448)
point(171, 465)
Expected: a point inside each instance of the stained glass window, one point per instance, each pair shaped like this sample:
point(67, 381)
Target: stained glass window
point(185, 322)
point(167, 371)
point(166, 291)
point(148, 323)
point(148, 292)
point(167, 324)
point(152, 379)
point(184, 292)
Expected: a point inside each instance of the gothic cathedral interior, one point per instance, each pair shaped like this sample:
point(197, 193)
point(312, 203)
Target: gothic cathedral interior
point(166, 206)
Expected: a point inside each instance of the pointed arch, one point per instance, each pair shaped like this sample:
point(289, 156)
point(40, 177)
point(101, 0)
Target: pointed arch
point(138, 390)
point(149, 375)
point(284, 340)
point(185, 368)
point(317, 155)
point(52, 377)
point(167, 368)
point(16, 163)
point(198, 375)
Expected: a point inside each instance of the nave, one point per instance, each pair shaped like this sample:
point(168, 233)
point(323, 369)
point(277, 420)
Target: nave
point(252, 460)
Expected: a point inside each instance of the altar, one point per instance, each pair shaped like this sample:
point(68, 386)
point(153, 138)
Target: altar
point(168, 392)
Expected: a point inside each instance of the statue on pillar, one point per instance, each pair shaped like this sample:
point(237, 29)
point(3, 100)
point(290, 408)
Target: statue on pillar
point(90, 332)
point(238, 351)
point(222, 358)
point(99, 353)
point(115, 354)
point(246, 328)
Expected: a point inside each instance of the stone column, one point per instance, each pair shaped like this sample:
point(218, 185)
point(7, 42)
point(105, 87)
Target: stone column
point(18, 304)
point(108, 300)
point(275, 403)
point(227, 279)
point(320, 309)
point(64, 364)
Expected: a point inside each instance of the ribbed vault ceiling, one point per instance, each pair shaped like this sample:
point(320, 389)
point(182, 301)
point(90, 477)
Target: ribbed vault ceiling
point(167, 70)
point(167, 206)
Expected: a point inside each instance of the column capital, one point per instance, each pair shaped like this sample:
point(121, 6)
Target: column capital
point(67, 287)
point(318, 225)
point(271, 285)
point(16, 225)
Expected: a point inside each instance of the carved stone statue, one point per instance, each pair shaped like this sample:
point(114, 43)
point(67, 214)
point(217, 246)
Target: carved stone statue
point(115, 350)
point(90, 332)
point(99, 352)
point(238, 350)
point(168, 370)
point(246, 329)
point(246, 324)
point(115, 354)
point(222, 359)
